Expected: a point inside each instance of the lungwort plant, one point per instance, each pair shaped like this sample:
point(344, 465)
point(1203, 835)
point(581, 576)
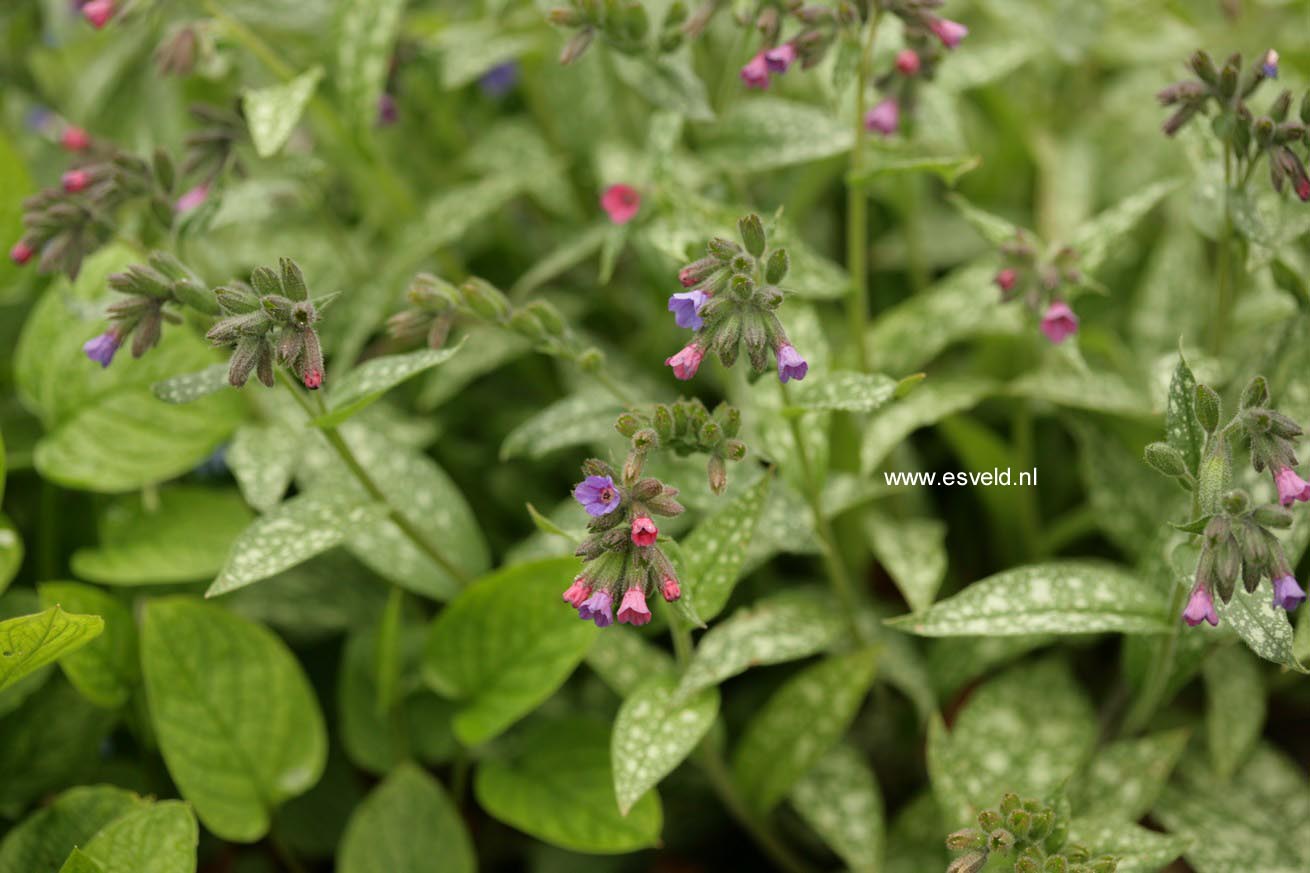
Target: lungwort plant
point(616, 436)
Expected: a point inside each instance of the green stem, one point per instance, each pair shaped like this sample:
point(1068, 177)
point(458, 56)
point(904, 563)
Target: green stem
point(1224, 301)
point(339, 445)
point(857, 208)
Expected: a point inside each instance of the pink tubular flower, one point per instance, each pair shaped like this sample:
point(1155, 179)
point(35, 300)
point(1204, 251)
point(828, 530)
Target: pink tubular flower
point(1291, 487)
point(76, 180)
point(644, 531)
point(686, 362)
point(779, 58)
point(1200, 607)
point(1287, 593)
point(75, 139)
point(756, 72)
point(1005, 280)
point(670, 590)
point(620, 203)
point(907, 62)
point(951, 33)
point(883, 118)
point(1059, 322)
point(98, 12)
point(22, 252)
point(313, 379)
point(790, 364)
point(577, 593)
point(193, 198)
point(633, 609)
point(388, 111)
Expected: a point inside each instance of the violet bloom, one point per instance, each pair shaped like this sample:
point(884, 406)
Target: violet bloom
point(756, 72)
point(670, 590)
point(686, 308)
point(633, 609)
point(101, 348)
point(193, 198)
point(1200, 607)
point(951, 33)
point(686, 362)
point(500, 79)
point(98, 12)
point(598, 608)
point(388, 111)
point(1269, 65)
point(620, 203)
point(883, 118)
point(1059, 322)
point(1287, 593)
point(790, 364)
point(598, 495)
point(1291, 487)
point(577, 593)
point(780, 58)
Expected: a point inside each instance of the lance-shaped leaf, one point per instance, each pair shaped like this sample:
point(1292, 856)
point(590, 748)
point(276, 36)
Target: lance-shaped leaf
point(192, 386)
point(948, 168)
point(716, 550)
point(1125, 778)
point(1181, 428)
point(1095, 239)
point(1265, 629)
point(157, 838)
point(375, 377)
point(624, 659)
point(913, 551)
point(839, 798)
point(927, 404)
point(847, 391)
point(32, 641)
point(272, 112)
point(367, 30)
point(1235, 707)
point(106, 669)
point(40, 842)
point(581, 419)
point(408, 824)
point(654, 732)
point(263, 458)
point(1139, 850)
point(769, 132)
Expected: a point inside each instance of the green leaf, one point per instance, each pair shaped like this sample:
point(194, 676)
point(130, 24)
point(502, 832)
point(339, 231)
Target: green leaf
point(480, 653)
point(953, 662)
point(236, 719)
point(184, 537)
point(839, 798)
point(1265, 629)
point(370, 380)
point(581, 419)
point(948, 168)
point(273, 112)
point(106, 669)
point(766, 133)
point(190, 387)
point(32, 641)
point(716, 550)
point(1025, 731)
point(929, 403)
point(1079, 388)
point(624, 659)
point(1095, 239)
point(1139, 850)
point(654, 732)
point(368, 30)
point(408, 824)
point(783, 627)
point(11, 550)
point(1125, 778)
point(1181, 428)
point(263, 458)
point(803, 719)
point(1060, 597)
point(451, 214)
point(667, 81)
point(297, 530)
point(80, 862)
point(992, 228)
point(17, 183)
point(558, 787)
point(158, 838)
point(1235, 708)
point(845, 390)
point(913, 552)
point(41, 842)
point(471, 49)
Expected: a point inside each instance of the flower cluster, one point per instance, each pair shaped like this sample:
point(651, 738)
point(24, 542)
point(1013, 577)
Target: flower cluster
point(269, 321)
point(819, 29)
point(623, 560)
point(685, 427)
point(1024, 836)
point(734, 292)
point(1042, 282)
point(1236, 540)
point(928, 37)
point(148, 289)
point(1247, 136)
point(624, 25)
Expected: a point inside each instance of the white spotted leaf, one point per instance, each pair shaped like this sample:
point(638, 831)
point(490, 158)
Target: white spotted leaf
point(262, 458)
point(1263, 627)
point(273, 112)
point(913, 551)
point(769, 132)
point(1234, 707)
point(1139, 850)
point(581, 419)
point(375, 377)
point(624, 659)
point(654, 732)
point(192, 386)
point(29, 642)
point(839, 798)
point(367, 31)
point(1125, 778)
point(1181, 428)
point(929, 403)
point(847, 391)
point(715, 551)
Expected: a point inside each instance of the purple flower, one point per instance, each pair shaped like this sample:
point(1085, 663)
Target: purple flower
point(101, 348)
point(1291, 487)
point(883, 118)
point(597, 495)
point(498, 81)
point(949, 32)
point(790, 364)
point(388, 111)
point(686, 308)
point(1287, 593)
point(1200, 607)
point(633, 610)
point(756, 72)
point(1059, 322)
point(1269, 65)
point(778, 59)
point(598, 608)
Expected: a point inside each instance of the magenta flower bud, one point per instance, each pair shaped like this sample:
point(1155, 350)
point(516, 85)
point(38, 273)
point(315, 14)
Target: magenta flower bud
point(686, 362)
point(388, 111)
point(779, 58)
point(1005, 280)
point(790, 364)
point(76, 180)
point(951, 33)
point(577, 593)
point(193, 198)
point(1200, 607)
point(633, 609)
point(1059, 322)
point(686, 308)
point(598, 495)
point(22, 252)
point(907, 62)
point(101, 348)
point(1287, 593)
point(75, 139)
point(756, 72)
point(1269, 65)
point(670, 589)
point(598, 608)
point(621, 203)
point(1291, 487)
point(98, 12)
point(644, 531)
point(313, 379)
point(1303, 189)
point(883, 118)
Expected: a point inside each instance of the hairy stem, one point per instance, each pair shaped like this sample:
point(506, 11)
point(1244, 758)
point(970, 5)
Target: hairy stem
point(857, 208)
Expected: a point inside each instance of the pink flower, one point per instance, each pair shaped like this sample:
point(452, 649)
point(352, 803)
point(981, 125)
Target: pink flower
point(883, 118)
point(313, 379)
point(644, 531)
point(578, 592)
point(98, 12)
point(1059, 322)
point(670, 589)
point(22, 252)
point(949, 32)
point(633, 609)
point(621, 203)
point(686, 362)
point(756, 72)
point(1005, 280)
point(75, 139)
point(778, 59)
point(1200, 607)
point(76, 180)
point(1291, 487)
point(193, 198)
point(1303, 189)
point(907, 62)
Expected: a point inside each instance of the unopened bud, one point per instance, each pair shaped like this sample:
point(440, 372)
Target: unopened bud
point(723, 250)
point(627, 424)
point(717, 472)
point(751, 229)
point(1203, 65)
point(1207, 407)
point(484, 299)
point(1273, 515)
point(1236, 502)
point(1165, 459)
point(970, 863)
point(551, 321)
point(778, 266)
point(734, 450)
point(576, 46)
point(1256, 393)
point(968, 838)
